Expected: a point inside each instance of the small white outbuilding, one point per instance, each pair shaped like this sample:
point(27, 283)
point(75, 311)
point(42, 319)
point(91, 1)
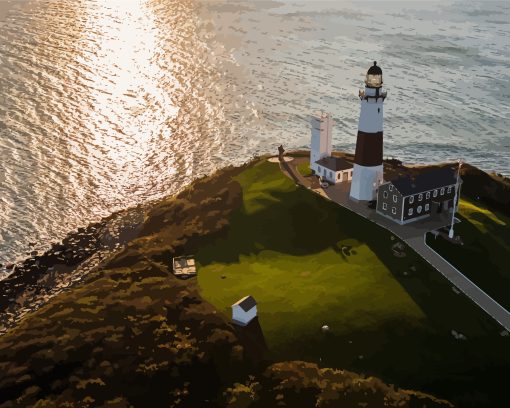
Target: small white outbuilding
point(334, 169)
point(244, 311)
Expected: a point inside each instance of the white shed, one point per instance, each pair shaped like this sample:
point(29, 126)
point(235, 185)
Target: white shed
point(244, 311)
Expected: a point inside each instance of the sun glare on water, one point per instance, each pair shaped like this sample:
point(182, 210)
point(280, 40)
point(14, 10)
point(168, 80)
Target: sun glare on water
point(107, 103)
point(128, 101)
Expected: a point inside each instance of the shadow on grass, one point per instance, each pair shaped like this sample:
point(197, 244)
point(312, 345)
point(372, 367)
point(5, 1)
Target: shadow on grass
point(482, 258)
point(292, 220)
point(253, 336)
point(296, 223)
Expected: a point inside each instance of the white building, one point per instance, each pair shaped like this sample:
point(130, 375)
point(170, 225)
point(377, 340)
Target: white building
point(334, 169)
point(321, 138)
point(244, 311)
point(368, 160)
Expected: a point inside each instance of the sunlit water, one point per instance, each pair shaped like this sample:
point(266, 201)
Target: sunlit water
point(106, 104)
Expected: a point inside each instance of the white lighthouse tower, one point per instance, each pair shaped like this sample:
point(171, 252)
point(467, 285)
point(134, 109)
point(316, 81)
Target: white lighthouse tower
point(368, 159)
point(321, 138)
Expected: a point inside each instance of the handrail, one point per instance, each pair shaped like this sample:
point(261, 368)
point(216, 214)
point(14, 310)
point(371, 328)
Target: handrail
point(363, 95)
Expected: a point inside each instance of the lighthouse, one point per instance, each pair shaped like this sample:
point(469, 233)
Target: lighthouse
point(321, 139)
point(368, 158)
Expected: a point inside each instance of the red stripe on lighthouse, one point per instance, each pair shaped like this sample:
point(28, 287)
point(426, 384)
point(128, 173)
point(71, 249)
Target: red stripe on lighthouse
point(369, 149)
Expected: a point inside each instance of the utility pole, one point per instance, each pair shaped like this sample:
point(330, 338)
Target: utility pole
point(455, 199)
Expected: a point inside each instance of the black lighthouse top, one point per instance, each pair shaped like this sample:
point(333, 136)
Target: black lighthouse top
point(374, 76)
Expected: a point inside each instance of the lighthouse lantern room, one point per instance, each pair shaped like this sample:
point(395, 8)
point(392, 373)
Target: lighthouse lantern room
point(368, 158)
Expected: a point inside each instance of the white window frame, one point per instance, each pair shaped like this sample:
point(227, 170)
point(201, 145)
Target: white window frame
point(390, 187)
point(427, 195)
point(410, 212)
point(420, 197)
point(442, 191)
point(427, 206)
point(393, 210)
point(385, 194)
point(449, 189)
point(434, 194)
point(395, 198)
point(418, 210)
point(411, 199)
point(384, 206)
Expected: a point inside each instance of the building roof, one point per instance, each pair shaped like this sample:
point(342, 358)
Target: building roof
point(426, 181)
point(374, 69)
point(246, 303)
point(334, 163)
point(184, 265)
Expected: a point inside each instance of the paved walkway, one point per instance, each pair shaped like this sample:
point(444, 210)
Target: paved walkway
point(412, 234)
point(477, 295)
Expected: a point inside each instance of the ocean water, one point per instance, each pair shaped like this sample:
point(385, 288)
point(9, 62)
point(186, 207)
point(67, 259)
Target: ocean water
point(106, 104)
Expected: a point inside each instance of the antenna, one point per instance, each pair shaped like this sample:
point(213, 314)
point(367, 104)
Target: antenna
point(455, 199)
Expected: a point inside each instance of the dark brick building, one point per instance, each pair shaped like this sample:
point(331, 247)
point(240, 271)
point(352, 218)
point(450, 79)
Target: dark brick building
point(408, 199)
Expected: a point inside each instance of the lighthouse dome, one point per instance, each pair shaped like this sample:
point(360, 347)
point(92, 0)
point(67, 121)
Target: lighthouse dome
point(374, 76)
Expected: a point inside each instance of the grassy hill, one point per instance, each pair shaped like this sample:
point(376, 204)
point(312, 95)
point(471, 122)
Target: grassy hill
point(309, 262)
point(133, 335)
point(483, 255)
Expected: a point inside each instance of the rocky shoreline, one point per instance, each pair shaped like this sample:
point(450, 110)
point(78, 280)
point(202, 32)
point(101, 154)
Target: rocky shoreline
point(41, 277)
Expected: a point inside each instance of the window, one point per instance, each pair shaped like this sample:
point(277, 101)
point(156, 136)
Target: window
point(384, 206)
point(427, 196)
point(410, 212)
point(319, 169)
point(350, 174)
point(427, 206)
point(435, 193)
point(411, 199)
point(338, 176)
point(385, 194)
point(442, 191)
point(418, 210)
point(449, 189)
point(420, 197)
point(393, 210)
point(378, 110)
point(391, 187)
point(395, 199)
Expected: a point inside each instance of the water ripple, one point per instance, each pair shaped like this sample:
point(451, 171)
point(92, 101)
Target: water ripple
point(108, 104)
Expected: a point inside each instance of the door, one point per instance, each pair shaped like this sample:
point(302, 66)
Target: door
point(436, 208)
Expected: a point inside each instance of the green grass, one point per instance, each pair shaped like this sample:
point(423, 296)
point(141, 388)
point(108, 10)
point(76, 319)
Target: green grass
point(388, 316)
point(304, 169)
point(310, 291)
point(486, 250)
